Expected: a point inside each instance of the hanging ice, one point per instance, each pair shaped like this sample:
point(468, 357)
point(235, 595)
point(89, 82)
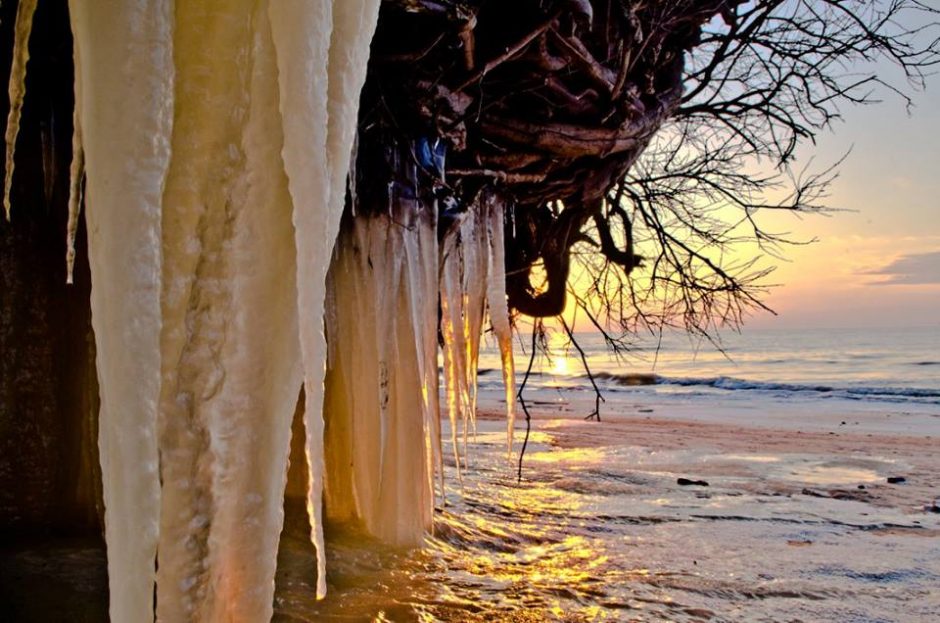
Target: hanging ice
point(493, 210)
point(381, 405)
point(231, 359)
point(215, 187)
point(473, 278)
point(322, 54)
point(76, 170)
point(201, 360)
point(126, 112)
point(456, 388)
point(17, 90)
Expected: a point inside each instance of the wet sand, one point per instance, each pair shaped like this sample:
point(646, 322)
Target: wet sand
point(838, 462)
point(794, 525)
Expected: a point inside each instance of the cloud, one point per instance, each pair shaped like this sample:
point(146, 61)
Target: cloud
point(912, 269)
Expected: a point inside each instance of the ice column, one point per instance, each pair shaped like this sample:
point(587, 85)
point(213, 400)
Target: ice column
point(125, 90)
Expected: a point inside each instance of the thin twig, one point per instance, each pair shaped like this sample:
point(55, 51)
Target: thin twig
point(525, 409)
point(598, 397)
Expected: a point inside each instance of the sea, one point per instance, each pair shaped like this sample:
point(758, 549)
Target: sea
point(825, 367)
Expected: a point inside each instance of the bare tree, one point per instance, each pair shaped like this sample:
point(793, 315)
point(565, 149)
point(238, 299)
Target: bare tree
point(638, 141)
point(763, 80)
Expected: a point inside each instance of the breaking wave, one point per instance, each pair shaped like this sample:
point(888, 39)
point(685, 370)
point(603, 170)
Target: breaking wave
point(731, 384)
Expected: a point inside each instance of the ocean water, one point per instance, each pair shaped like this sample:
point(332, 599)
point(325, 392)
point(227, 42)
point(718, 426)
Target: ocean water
point(899, 366)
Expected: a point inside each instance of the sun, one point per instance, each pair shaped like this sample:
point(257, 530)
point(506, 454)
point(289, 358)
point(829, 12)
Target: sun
point(560, 365)
point(559, 360)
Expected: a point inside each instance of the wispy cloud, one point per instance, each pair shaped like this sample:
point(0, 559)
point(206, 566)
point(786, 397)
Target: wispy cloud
point(911, 269)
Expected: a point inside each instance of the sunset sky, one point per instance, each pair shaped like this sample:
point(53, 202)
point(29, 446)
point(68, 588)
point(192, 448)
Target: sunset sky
point(878, 263)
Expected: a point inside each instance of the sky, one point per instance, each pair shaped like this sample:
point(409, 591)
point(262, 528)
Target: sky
point(877, 263)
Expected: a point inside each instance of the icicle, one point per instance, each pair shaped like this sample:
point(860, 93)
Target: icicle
point(231, 358)
point(353, 174)
point(454, 348)
point(319, 87)
point(126, 114)
point(301, 37)
point(17, 90)
point(475, 252)
point(498, 307)
point(463, 299)
point(354, 23)
point(76, 170)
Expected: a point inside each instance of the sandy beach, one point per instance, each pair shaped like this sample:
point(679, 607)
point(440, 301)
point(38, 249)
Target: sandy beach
point(798, 522)
point(850, 461)
point(793, 524)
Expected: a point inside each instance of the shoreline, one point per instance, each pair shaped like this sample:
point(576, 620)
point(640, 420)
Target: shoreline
point(830, 457)
point(796, 525)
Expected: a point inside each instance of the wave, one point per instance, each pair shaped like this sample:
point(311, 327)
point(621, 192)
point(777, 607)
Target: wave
point(727, 383)
point(632, 379)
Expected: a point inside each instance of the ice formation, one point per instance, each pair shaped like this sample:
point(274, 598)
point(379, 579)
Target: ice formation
point(382, 384)
point(76, 172)
point(201, 169)
point(322, 52)
point(17, 90)
point(229, 345)
point(126, 112)
point(473, 280)
point(214, 189)
point(494, 211)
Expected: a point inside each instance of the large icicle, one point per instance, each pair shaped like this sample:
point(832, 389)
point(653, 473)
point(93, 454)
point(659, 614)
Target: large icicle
point(381, 398)
point(231, 360)
point(498, 306)
point(126, 112)
point(319, 88)
point(354, 23)
point(17, 90)
point(301, 33)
